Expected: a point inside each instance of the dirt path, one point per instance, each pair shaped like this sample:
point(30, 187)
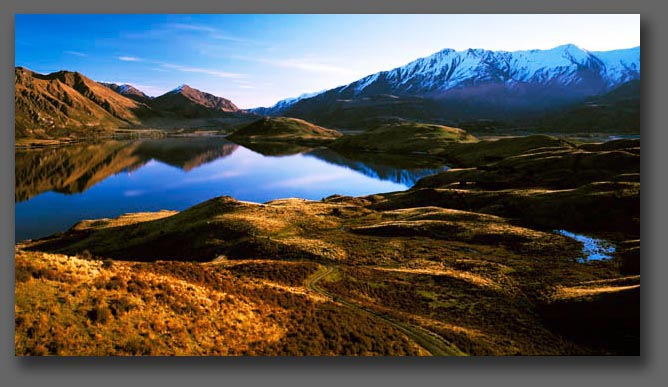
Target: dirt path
point(431, 342)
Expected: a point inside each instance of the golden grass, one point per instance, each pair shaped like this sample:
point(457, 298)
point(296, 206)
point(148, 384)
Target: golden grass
point(585, 289)
point(72, 306)
point(123, 220)
point(166, 316)
point(473, 279)
point(575, 292)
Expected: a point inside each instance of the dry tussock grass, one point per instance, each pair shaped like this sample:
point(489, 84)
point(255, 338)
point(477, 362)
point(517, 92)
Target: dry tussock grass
point(74, 306)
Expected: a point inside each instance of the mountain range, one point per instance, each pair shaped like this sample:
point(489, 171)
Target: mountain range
point(566, 85)
point(470, 84)
point(67, 103)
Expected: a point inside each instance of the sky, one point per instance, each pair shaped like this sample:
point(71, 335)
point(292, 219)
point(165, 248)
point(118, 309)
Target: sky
point(257, 60)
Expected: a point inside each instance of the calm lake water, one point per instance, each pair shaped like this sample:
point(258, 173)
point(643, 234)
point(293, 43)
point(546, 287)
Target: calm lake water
point(58, 187)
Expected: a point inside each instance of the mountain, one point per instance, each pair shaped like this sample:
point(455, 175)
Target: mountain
point(191, 103)
point(282, 105)
point(473, 84)
point(128, 91)
point(67, 103)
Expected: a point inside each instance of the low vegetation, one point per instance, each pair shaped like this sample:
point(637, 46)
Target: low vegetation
point(469, 256)
point(404, 138)
point(284, 129)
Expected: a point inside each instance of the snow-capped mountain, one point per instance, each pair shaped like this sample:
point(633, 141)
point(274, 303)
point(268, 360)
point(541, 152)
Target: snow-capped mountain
point(128, 91)
point(477, 83)
point(566, 65)
point(283, 104)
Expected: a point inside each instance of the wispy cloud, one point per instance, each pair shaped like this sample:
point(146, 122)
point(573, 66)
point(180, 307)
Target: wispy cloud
point(129, 59)
point(189, 69)
point(212, 32)
point(189, 27)
point(309, 64)
point(244, 84)
point(76, 53)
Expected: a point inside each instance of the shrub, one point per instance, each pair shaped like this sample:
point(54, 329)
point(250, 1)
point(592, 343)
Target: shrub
point(99, 314)
point(86, 254)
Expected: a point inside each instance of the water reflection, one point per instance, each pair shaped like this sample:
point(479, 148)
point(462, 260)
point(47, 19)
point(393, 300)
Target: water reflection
point(76, 168)
point(399, 169)
point(57, 187)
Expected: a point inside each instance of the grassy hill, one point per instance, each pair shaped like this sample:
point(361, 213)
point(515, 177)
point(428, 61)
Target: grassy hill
point(404, 137)
point(284, 129)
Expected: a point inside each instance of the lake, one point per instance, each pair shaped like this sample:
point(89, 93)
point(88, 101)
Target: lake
point(57, 187)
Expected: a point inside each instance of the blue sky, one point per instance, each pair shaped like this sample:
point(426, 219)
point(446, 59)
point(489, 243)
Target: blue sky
point(256, 60)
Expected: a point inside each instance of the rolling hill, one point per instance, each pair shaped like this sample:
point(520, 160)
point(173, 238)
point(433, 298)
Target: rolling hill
point(284, 129)
point(405, 138)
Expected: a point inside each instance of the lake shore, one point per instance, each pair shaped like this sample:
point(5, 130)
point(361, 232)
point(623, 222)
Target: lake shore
point(438, 260)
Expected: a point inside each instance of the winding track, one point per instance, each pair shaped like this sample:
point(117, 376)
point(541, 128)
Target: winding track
point(431, 342)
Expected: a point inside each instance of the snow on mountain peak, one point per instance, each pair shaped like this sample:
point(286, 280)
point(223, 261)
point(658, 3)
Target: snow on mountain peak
point(449, 69)
point(561, 67)
point(125, 87)
point(179, 88)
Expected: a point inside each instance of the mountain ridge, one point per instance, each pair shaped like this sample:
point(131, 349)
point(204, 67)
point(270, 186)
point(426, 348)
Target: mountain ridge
point(477, 83)
point(69, 104)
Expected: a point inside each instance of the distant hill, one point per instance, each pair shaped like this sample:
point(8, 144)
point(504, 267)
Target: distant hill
point(68, 102)
point(282, 105)
point(405, 137)
point(284, 129)
point(191, 103)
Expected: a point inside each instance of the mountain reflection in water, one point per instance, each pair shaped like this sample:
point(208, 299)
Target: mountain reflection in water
point(57, 187)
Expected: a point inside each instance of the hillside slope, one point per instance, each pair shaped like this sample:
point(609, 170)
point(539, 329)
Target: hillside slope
point(66, 102)
point(404, 137)
point(190, 103)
